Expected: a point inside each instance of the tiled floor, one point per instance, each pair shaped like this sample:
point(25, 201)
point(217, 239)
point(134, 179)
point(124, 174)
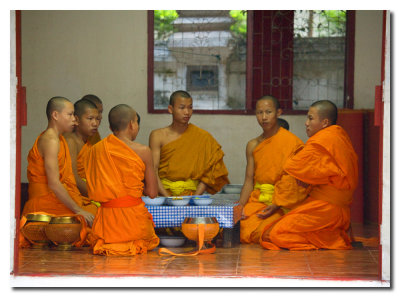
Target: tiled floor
point(361, 263)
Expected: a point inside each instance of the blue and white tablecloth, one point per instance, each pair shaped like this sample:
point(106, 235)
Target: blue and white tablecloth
point(225, 211)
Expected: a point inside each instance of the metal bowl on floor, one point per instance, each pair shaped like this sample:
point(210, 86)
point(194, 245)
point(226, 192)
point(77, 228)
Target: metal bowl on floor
point(172, 241)
point(64, 231)
point(34, 230)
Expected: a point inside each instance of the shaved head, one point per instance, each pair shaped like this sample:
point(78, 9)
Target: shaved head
point(326, 110)
point(93, 98)
point(55, 104)
point(82, 105)
point(178, 94)
point(283, 123)
point(120, 116)
point(272, 98)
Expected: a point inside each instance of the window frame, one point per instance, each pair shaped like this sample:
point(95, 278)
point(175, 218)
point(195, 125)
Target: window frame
point(348, 100)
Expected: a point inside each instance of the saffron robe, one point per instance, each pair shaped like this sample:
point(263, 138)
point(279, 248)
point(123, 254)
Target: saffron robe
point(41, 198)
point(197, 156)
point(122, 225)
point(81, 159)
point(269, 158)
point(328, 163)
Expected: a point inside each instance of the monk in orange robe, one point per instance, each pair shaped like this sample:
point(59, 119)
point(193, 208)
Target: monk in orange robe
point(187, 159)
point(327, 167)
point(86, 115)
point(95, 138)
point(115, 171)
point(52, 188)
point(267, 192)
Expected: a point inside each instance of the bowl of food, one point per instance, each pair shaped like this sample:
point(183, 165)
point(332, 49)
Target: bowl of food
point(172, 241)
point(232, 189)
point(178, 201)
point(153, 201)
point(202, 201)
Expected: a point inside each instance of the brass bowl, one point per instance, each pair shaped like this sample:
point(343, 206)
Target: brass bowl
point(64, 231)
point(190, 228)
point(32, 217)
point(64, 220)
point(34, 230)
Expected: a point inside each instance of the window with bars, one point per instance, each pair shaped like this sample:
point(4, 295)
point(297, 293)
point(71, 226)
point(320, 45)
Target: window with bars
point(228, 59)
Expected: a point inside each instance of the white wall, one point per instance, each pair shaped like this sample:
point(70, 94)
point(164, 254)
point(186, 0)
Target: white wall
point(367, 57)
point(72, 53)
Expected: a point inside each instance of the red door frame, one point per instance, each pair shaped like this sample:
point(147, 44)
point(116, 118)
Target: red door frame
point(19, 123)
point(379, 113)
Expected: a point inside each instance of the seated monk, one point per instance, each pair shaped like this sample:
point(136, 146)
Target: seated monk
point(268, 193)
point(187, 159)
point(95, 138)
point(86, 115)
point(118, 171)
point(327, 166)
point(52, 188)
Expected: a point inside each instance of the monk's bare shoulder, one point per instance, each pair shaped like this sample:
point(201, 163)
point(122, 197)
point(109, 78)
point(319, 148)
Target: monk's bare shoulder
point(159, 136)
point(75, 143)
point(252, 144)
point(48, 141)
point(143, 151)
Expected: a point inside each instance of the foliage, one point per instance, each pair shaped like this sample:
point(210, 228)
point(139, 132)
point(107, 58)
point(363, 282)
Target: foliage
point(163, 27)
point(320, 23)
point(239, 27)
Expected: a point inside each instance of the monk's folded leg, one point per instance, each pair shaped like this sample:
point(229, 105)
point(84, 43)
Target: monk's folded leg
point(123, 231)
point(258, 232)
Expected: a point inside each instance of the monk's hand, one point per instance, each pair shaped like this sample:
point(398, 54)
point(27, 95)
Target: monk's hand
point(302, 184)
point(89, 217)
point(268, 211)
point(243, 216)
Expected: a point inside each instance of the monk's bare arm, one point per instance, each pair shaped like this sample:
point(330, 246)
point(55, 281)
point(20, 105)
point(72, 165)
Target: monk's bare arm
point(49, 148)
point(73, 151)
point(248, 184)
point(201, 188)
point(155, 146)
point(151, 186)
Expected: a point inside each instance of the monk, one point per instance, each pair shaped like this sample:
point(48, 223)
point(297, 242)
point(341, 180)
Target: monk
point(86, 116)
point(99, 104)
point(187, 159)
point(267, 193)
point(283, 123)
point(118, 172)
point(327, 167)
point(52, 188)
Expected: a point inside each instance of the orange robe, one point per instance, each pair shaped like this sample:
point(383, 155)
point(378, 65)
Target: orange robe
point(41, 198)
point(122, 225)
point(328, 163)
point(197, 156)
point(81, 159)
point(269, 158)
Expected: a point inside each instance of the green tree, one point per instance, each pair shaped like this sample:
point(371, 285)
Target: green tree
point(239, 27)
point(163, 27)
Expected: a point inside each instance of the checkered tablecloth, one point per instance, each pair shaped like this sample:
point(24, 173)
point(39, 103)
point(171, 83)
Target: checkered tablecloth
point(226, 212)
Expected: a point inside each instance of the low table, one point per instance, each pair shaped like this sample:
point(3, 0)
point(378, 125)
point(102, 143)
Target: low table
point(224, 208)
